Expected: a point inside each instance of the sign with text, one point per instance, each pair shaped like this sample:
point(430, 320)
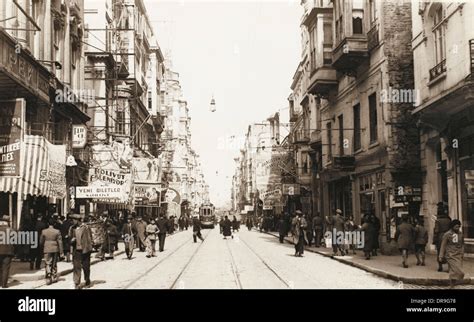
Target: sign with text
point(146, 170)
point(146, 195)
point(79, 136)
point(12, 122)
point(99, 192)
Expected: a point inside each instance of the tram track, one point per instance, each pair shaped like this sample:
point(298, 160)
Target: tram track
point(266, 264)
point(234, 268)
point(148, 271)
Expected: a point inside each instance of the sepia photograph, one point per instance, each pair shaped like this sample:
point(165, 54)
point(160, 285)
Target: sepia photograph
point(316, 145)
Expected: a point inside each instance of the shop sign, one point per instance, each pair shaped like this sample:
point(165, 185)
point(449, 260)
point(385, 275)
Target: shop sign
point(146, 195)
point(12, 121)
point(99, 192)
point(79, 136)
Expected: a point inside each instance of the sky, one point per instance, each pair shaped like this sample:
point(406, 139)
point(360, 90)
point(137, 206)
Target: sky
point(244, 53)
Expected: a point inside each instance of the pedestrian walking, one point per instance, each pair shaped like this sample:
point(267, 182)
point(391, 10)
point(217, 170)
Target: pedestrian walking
point(376, 222)
point(171, 225)
point(452, 252)
point(163, 228)
point(181, 223)
point(367, 228)
point(36, 253)
point(421, 239)
point(151, 231)
point(186, 222)
point(197, 229)
point(227, 228)
point(405, 238)
point(282, 230)
point(110, 240)
point(309, 231)
point(64, 229)
point(337, 225)
point(235, 224)
point(221, 225)
point(442, 225)
point(81, 241)
point(52, 245)
point(7, 252)
point(299, 231)
point(249, 223)
point(350, 226)
point(129, 234)
point(140, 228)
point(318, 226)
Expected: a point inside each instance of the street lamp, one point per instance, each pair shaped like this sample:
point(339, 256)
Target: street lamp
point(213, 104)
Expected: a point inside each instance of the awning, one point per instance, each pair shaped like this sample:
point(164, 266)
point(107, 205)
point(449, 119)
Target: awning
point(43, 170)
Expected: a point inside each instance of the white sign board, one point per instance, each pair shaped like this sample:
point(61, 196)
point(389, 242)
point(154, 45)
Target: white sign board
point(79, 136)
point(99, 192)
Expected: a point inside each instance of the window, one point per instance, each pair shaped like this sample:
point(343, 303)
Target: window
point(339, 10)
point(357, 133)
point(120, 122)
point(329, 137)
point(438, 35)
point(373, 11)
point(340, 119)
point(373, 117)
point(357, 17)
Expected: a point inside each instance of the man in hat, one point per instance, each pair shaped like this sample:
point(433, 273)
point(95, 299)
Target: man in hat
point(81, 241)
point(299, 231)
point(197, 229)
point(441, 227)
point(36, 253)
point(140, 227)
point(7, 251)
point(163, 227)
point(337, 227)
point(52, 245)
point(128, 234)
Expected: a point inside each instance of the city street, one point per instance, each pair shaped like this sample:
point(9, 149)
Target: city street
point(251, 260)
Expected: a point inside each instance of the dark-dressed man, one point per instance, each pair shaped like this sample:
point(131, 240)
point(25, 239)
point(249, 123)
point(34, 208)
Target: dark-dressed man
point(81, 242)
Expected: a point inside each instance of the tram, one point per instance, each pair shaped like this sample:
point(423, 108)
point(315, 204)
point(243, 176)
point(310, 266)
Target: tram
point(207, 215)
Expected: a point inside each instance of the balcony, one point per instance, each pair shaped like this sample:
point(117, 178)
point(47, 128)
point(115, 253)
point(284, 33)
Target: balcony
point(293, 114)
point(315, 140)
point(373, 38)
point(351, 52)
point(301, 137)
point(438, 70)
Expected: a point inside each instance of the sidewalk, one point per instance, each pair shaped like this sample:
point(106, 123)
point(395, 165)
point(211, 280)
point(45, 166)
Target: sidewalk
point(391, 267)
point(20, 271)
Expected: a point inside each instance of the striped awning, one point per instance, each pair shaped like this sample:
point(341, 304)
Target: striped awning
point(43, 170)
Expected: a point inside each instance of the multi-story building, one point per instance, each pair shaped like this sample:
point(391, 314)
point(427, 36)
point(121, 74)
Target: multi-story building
point(182, 169)
point(443, 51)
point(124, 68)
point(356, 101)
point(42, 100)
point(257, 184)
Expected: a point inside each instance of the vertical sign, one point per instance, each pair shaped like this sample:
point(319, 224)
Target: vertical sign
point(12, 120)
point(79, 136)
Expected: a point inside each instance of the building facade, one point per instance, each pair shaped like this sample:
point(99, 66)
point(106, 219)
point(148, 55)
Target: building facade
point(42, 98)
point(443, 51)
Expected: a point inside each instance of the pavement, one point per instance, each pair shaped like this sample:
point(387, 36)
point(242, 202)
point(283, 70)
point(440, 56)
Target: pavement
point(391, 266)
point(250, 260)
point(20, 271)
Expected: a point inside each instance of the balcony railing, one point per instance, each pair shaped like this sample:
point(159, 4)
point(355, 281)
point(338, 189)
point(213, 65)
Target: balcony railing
point(438, 70)
point(301, 136)
point(373, 38)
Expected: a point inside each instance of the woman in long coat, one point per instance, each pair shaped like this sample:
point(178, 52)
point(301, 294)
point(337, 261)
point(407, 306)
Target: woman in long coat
point(235, 224)
point(227, 228)
point(368, 230)
point(405, 238)
point(111, 238)
point(140, 227)
point(452, 251)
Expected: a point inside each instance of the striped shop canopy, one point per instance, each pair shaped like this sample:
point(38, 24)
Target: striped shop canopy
point(43, 170)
